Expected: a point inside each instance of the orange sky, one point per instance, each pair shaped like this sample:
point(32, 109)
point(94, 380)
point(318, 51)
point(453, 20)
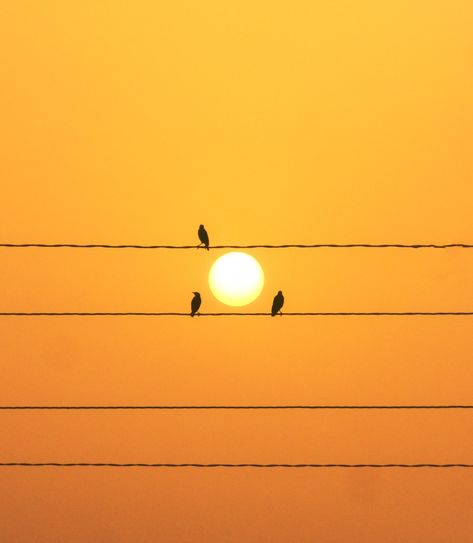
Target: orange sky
point(270, 122)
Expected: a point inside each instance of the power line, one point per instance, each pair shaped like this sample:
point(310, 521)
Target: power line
point(252, 465)
point(266, 246)
point(299, 314)
point(224, 407)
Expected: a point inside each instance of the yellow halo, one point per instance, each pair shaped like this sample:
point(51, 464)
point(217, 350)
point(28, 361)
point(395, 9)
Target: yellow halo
point(236, 279)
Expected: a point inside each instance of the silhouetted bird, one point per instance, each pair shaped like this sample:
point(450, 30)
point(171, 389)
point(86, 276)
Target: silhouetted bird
point(195, 304)
point(278, 302)
point(203, 236)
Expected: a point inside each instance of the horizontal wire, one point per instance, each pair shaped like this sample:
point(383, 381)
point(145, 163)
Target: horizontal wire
point(284, 246)
point(305, 314)
point(193, 465)
point(222, 407)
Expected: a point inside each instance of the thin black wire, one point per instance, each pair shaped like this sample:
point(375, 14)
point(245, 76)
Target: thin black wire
point(193, 465)
point(299, 314)
point(225, 407)
point(284, 246)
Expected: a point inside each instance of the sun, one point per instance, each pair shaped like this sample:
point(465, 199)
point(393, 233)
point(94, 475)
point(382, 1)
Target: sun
point(236, 279)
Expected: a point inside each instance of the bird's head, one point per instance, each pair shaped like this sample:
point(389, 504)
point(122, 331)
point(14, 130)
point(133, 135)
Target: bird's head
point(279, 292)
point(196, 293)
point(201, 227)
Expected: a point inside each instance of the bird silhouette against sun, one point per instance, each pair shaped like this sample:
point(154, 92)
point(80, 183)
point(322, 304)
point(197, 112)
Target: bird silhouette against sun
point(203, 237)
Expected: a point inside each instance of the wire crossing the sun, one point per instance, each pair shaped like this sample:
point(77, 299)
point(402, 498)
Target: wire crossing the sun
point(224, 407)
point(256, 246)
point(298, 314)
point(226, 466)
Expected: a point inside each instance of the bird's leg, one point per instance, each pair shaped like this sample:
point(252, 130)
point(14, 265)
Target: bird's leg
point(280, 313)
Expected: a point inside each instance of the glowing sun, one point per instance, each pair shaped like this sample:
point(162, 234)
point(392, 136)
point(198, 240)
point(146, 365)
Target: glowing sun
point(236, 279)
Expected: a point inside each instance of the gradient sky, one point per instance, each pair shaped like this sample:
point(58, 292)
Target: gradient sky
point(270, 122)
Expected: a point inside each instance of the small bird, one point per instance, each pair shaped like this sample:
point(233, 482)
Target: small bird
point(195, 303)
point(278, 302)
point(203, 236)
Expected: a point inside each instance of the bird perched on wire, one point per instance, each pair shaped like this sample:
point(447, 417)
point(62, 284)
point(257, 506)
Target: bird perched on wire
point(203, 236)
point(278, 302)
point(195, 303)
